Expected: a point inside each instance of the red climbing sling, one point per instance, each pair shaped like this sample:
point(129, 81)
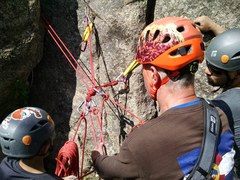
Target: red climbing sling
point(67, 159)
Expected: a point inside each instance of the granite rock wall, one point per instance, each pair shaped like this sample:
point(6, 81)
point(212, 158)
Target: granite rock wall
point(53, 83)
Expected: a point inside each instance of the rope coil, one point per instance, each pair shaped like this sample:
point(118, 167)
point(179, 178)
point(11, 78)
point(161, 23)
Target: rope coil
point(68, 156)
point(68, 160)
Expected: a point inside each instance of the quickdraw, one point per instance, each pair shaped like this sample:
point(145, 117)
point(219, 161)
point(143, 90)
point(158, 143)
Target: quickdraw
point(86, 35)
point(67, 159)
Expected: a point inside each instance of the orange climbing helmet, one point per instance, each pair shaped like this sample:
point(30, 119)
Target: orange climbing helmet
point(170, 43)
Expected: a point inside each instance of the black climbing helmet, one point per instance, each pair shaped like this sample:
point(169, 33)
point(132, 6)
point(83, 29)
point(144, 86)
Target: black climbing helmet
point(24, 131)
point(223, 51)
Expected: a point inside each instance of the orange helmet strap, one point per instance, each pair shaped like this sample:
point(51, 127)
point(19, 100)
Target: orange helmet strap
point(155, 87)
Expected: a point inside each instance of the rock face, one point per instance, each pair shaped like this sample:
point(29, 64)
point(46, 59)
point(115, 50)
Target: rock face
point(20, 50)
point(55, 86)
point(222, 12)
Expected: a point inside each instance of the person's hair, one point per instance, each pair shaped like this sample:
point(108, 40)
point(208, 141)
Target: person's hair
point(183, 80)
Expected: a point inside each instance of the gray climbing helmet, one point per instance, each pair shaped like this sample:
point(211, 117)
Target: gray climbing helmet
point(223, 51)
point(24, 131)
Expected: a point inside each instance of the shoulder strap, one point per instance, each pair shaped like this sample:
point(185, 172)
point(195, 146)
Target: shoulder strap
point(203, 167)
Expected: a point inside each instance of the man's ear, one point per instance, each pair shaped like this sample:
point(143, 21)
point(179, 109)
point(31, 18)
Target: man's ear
point(152, 79)
point(156, 79)
point(44, 150)
point(233, 75)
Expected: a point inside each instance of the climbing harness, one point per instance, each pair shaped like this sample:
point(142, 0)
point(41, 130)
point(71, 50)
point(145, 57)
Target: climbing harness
point(68, 158)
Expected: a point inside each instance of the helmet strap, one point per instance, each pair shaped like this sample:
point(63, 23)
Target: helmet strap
point(158, 82)
point(155, 81)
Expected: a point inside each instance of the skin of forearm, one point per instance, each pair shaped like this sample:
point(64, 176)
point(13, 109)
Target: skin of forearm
point(217, 29)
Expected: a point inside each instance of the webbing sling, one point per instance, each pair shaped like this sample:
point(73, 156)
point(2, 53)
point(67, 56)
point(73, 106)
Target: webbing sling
point(203, 167)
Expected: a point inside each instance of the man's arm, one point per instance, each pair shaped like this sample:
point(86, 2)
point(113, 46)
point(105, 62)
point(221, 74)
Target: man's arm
point(120, 165)
point(205, 24)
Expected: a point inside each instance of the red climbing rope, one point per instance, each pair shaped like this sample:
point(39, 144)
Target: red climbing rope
point(65, 51)
point(68, 156)
point(67, 160)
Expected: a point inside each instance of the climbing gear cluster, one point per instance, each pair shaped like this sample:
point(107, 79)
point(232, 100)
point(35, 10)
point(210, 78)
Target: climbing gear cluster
point(68, 158)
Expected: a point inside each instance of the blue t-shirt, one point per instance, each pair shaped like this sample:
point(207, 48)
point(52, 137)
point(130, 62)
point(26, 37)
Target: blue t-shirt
point(11, 170)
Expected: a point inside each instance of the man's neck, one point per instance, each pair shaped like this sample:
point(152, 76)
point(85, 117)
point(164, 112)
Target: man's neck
point(169, 100)
point(34, 165)
point(233, 85)
point(233, 81)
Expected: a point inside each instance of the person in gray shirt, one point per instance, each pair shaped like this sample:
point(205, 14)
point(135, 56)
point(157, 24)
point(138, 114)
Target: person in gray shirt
point(223, 70)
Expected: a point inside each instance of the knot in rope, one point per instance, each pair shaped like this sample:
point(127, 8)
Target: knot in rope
point(95, 111)
point(106, 97)
point(82, 115)
point(90, 93)
point(67, 160)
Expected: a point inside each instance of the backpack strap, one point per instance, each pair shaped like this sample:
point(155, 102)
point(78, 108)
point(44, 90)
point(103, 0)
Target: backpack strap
point(203, 168)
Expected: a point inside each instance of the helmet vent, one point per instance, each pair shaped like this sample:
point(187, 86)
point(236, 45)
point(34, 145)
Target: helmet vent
point(236, 55)
point(174, 53)
point(39, 125)
point(184, 50)
point(166, 39)
point(156, 34)
point(147, 35)
point(140, 43)
point(180, 29)
point(7, 139)
point(202, 46)
point(181, 51)
point(6, 147)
